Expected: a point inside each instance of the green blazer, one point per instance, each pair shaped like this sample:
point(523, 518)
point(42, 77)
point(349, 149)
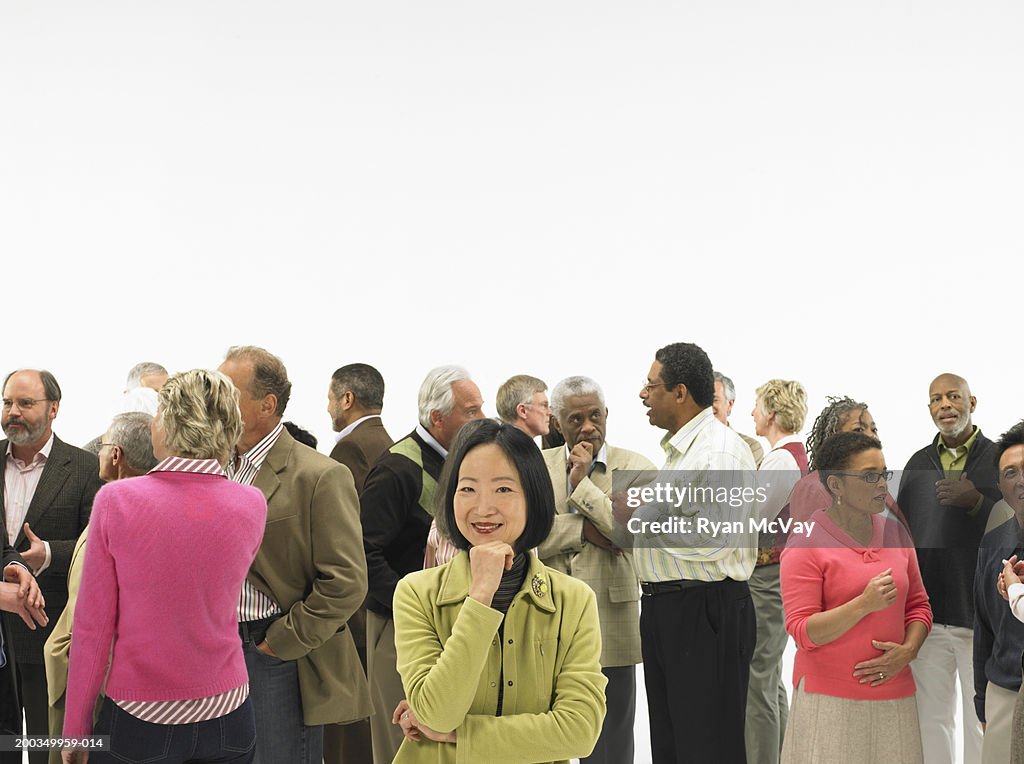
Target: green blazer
point(548, 660)
point(311, 564)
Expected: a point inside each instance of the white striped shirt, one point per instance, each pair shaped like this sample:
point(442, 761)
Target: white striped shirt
point(254, 605)
point(193, 709)
point(186, 711)
point(702, 447)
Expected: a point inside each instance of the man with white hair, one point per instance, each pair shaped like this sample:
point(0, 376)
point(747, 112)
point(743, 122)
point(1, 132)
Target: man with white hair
point(947, 492)
point(397, 504)
point(144, 381)
point(721, 406)
point(581, 545)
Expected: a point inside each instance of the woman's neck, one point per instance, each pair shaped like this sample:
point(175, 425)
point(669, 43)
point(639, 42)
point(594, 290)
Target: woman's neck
point(856, 524)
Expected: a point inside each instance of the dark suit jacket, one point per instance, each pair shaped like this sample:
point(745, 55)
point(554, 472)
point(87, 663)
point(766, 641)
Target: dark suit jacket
point(361, 448)
point(311, 564)
point(58, 513)
point(10, 710)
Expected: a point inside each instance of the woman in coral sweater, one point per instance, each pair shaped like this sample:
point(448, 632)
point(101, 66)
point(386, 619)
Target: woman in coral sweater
point(164, 567)
point(856, 607)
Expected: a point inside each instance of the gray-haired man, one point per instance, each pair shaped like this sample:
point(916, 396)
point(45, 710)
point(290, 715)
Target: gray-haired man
point(396, 507)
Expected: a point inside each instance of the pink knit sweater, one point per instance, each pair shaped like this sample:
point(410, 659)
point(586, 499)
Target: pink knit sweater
point(164, 566)
point(827, 569)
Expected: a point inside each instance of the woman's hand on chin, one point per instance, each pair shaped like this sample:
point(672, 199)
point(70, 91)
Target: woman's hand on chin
point(486, 564)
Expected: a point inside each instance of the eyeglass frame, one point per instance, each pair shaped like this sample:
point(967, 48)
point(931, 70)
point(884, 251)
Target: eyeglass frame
point(881, 475)
point(646, 386)
point(24, 404)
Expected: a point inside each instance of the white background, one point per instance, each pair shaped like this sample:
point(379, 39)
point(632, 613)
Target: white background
point(829, 192)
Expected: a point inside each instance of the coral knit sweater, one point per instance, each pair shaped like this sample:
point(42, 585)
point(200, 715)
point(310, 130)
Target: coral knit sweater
point(826, 569)
point(163, 570)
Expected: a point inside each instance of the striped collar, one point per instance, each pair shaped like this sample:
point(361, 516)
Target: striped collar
point(183, 464)
point(253, 458)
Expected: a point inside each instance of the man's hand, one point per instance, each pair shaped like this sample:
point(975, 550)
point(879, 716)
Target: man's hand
point(621, 511)
point(580, 459)
point(593, 536)
point(35, 557)
point(957, 493)
point(28, 587)
point(13, 602)
point(75, 756)
point(264, 648)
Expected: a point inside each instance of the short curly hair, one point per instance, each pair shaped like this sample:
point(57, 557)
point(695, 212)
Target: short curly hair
point(836, 453)
point(828, 422)
point(199, 413)
point(787, 399)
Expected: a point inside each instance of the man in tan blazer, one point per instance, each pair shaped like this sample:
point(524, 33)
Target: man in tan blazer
point(308, 577)
point(355, 399)
point(582, 544)
point(125, 451)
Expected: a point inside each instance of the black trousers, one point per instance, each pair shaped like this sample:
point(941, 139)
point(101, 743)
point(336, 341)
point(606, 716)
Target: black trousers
point(10, 708)
point(697, 644)
point(615, 745)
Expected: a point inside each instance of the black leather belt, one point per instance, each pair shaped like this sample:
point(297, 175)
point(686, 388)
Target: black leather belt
point(255, 631)
point(667, 587)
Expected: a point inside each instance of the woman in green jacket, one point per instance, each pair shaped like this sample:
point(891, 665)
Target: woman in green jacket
point(499, 655)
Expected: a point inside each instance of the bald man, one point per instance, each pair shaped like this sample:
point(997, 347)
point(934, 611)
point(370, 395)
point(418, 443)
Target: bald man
point(946, 492)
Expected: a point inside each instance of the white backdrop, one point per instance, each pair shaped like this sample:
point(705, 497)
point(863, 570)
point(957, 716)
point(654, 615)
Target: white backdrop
point(822, 191)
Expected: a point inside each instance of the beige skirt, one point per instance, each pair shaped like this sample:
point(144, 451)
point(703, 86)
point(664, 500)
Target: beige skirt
point(822, 728)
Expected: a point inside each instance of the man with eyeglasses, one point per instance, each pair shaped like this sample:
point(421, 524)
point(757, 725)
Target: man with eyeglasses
point(581, 545)
point(48, 488)
point(947, 492)
point(523, 403)
point(998, 635)
point(697, 625)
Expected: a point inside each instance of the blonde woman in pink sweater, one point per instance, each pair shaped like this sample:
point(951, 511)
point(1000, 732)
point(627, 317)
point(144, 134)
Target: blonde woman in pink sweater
point(855, 605)
point(164, 567)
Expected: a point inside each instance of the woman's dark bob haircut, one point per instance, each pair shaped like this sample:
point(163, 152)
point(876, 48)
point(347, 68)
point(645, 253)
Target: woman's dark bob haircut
point(533, 475)
point(836, 453)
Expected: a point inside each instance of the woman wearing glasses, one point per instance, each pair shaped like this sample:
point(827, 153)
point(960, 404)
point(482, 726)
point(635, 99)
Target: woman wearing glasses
point(856, 607)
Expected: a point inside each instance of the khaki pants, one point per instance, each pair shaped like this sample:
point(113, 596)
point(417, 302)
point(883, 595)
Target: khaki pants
point(995, 743)
point(767, 702)
point(385, 686)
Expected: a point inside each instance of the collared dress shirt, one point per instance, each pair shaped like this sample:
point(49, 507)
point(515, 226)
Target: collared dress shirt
point(703, 452)
point(20, 483)
point(254, 605)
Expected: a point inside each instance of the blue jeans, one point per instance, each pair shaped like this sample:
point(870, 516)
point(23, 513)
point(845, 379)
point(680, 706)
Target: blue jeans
point(274, 691)
point(230, 738)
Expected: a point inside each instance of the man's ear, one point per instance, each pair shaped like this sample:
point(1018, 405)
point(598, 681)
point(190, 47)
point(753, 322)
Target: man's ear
point(682, 394)
point(557, 425)
point(520, 411)
point(268, 406)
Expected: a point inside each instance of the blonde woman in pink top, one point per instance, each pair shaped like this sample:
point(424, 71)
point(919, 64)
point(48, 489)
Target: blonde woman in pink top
point(855, 605)
point(164, 567)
